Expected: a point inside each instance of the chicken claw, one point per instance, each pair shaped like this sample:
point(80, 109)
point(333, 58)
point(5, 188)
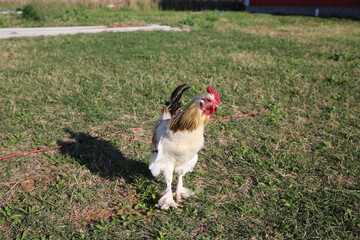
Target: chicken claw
point(183, 193)
point(166, 202)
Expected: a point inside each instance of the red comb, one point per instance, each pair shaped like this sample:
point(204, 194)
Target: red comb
point(216, 95)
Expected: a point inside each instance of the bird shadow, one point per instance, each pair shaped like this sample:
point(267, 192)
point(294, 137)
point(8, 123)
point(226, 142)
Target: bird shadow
point(101, 157)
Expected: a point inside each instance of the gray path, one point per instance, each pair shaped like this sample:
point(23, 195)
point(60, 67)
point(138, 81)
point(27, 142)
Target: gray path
point(52, 31)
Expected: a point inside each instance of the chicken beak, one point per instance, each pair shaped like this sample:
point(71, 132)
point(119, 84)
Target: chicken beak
point(218, 106)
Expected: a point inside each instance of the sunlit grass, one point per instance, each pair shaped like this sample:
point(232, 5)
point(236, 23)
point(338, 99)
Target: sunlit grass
point(282, 174)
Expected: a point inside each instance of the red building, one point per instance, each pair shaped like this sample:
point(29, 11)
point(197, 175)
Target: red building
point(321, 8)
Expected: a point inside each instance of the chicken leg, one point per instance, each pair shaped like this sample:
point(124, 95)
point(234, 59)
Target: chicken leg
point(182, 192)
point(167, 199)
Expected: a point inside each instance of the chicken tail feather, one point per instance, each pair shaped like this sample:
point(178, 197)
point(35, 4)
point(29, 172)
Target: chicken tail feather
point(174, 104)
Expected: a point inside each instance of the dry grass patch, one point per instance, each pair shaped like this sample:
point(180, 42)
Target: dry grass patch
point(253, 59)
point(110, 3)
point(265, 32)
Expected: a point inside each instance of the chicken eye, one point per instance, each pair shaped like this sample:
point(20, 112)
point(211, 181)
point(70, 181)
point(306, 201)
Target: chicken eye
point(207, 101)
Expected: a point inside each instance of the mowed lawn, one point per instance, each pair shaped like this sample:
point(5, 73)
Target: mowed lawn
point(282, 174)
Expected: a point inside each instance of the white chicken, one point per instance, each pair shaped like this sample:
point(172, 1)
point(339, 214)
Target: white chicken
point(177, 138)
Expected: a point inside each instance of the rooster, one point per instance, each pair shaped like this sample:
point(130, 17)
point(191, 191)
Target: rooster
point(177, 138)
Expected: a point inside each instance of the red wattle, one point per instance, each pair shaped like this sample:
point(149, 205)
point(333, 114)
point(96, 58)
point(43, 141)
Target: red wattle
point(210, 111)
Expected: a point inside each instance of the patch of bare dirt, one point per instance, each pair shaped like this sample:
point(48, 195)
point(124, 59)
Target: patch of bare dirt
point(88, 215)
point(313, 22)
point(28, 185)
point(38, 182)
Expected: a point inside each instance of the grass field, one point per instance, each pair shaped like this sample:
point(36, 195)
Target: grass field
point(283, 174)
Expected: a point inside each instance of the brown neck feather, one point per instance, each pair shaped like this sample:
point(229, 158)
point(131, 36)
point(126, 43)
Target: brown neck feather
point(189, 120)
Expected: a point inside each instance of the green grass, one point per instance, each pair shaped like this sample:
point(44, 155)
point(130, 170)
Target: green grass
point(284, 174)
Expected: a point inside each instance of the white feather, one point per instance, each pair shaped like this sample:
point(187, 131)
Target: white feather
point(175, 150)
